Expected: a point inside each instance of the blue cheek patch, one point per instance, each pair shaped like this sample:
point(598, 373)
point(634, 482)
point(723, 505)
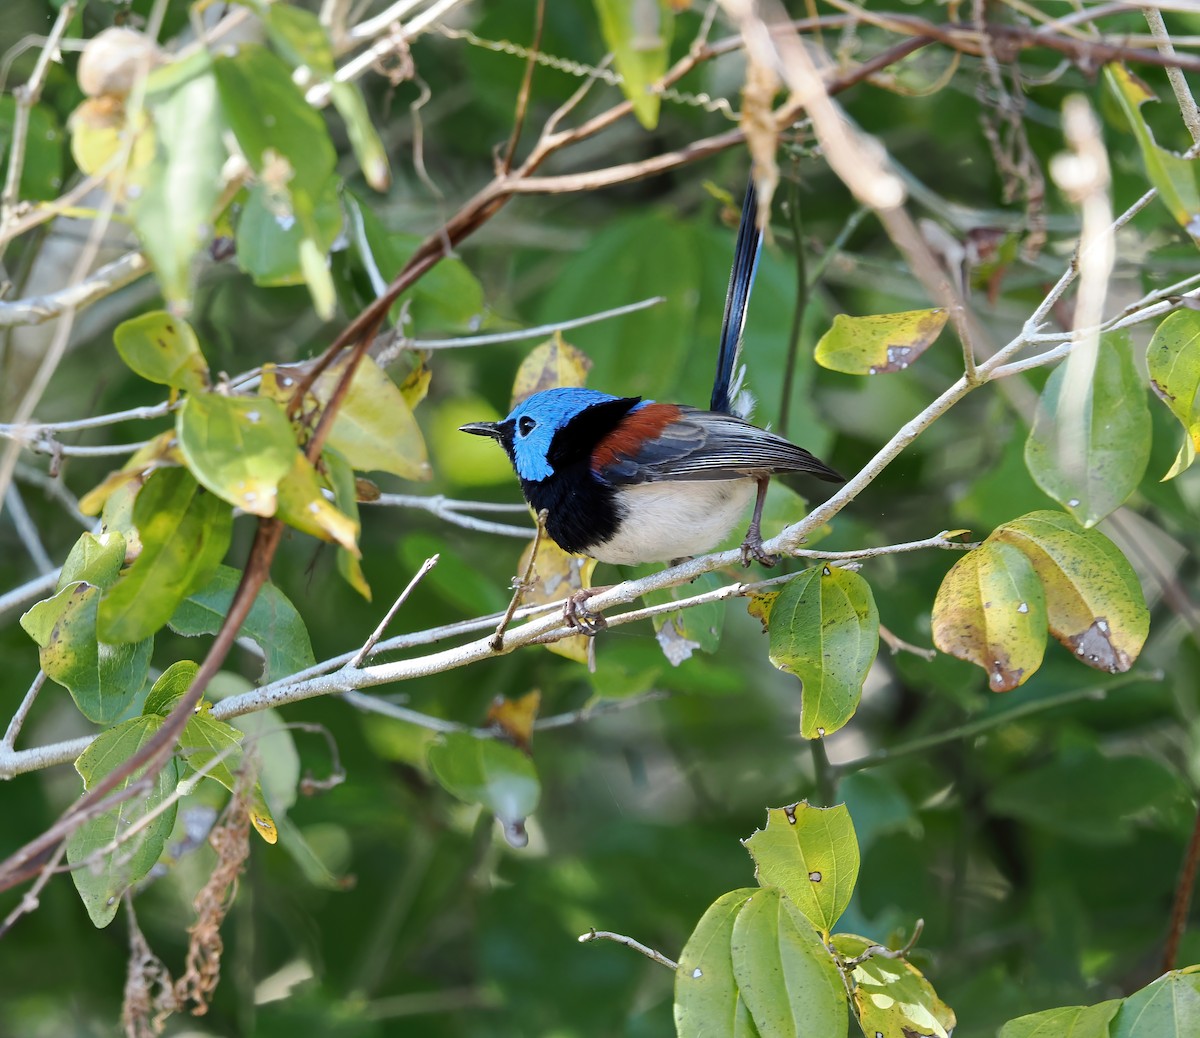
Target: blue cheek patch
point(552, 409)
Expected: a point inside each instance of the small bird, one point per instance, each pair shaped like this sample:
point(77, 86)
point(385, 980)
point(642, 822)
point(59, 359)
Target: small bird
point(626, 480)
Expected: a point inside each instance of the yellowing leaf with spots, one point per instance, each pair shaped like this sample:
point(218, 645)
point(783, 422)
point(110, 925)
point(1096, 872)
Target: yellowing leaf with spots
point(163, 348)
point(302, 504)
point(1094, 603)
point(162, 450)
point(1173, 361)
point(879, 343)
point(553, 363)
point(237, 447)
point(890, 997)
point(811, 854)
point(990, 611)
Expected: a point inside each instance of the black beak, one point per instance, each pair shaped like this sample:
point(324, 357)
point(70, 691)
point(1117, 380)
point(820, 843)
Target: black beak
point(491, 429)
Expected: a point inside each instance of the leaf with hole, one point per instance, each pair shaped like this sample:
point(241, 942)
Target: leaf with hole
point(102, 874)
point(1094, 601)
point(825, 630)
point(991, 611)
point(706, 995)
point(811, 854)
point(878, 344)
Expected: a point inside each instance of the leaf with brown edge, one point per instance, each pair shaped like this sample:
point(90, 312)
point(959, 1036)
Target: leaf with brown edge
point(1094, 602)
point(878, 344)
point(513, 718)
point(990, 611)
point(553, 363)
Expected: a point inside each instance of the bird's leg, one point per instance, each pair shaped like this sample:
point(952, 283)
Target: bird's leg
point(752, 546)
point(577, 614)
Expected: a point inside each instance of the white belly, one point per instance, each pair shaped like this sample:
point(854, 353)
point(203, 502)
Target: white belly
point(674, 519)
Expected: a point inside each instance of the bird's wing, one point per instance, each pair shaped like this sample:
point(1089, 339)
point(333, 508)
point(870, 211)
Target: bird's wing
point(672, 442)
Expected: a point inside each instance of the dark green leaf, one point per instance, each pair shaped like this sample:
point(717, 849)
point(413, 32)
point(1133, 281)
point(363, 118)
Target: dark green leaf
point(825, 630)
point(696, 627)
point(1067, 1022)
point(1087, 796)
point(706, 995)
point(491, 773)
point(269, 238)
point(785, 975)
point(811, 854)
point(185, 533)
point(273, 622)
point(171, 686)
point(101, 878)
point(1090, 440)
point(991, 611)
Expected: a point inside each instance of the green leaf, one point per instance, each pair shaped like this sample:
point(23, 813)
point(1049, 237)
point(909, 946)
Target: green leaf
point(1090, 440)
point(448, 296)
point(42, 173)
point(1066, 1022)
point(300, 38)
point(173, 208)
point(162, 348)
point(825, 630)
point(273, 622)
point(1173, 361)
point(185, 533)
point(364, 138)
point(102, 678)
point(237, 447)
point(890, 996)
point(1168, 1008)
point(102, 882)
point(214, 748)
point(375, 428)
point(638, 32)
point(341, 476)
point(283, 138)
point(785, 975)
point(269, 237)
point(706, 995)
point(1175, 177)
point(991, 611)
point(1087, 796)
point(491, 773)
point(1094, 602)
point(171, 686)
point(878, 344)
point(96, 558)
point(811, 854)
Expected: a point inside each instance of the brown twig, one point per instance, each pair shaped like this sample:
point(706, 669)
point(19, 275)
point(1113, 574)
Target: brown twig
point(523, 94)
point(522, 584)
point(1183, 897)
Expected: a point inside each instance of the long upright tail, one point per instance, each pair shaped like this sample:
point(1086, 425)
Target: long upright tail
point(737, 299)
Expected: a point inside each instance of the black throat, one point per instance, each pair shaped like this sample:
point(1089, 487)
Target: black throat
point(582, 510)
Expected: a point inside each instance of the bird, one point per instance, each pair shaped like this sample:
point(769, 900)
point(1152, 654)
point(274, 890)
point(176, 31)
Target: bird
point(626, 480)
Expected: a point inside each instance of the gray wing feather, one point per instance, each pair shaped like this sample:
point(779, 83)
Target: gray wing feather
point(712, 445)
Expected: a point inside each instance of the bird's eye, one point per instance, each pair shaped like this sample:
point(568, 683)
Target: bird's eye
point(526, 425)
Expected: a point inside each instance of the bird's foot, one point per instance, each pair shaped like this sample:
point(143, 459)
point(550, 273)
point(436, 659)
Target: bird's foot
point(577, 614)
point(753, 551)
